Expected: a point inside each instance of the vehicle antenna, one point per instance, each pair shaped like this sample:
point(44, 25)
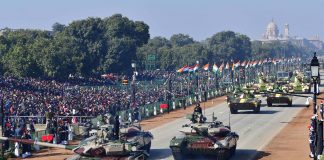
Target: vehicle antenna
point(229, 119)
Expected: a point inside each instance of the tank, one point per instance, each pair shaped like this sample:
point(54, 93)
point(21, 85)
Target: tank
point(243, 101)
point(264, 84)
point(132, 143)
point(300, 83)
point(127, 141)
point(278, 97)
point(204, 140)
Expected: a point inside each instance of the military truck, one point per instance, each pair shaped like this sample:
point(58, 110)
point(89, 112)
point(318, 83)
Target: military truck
point(204, 140)
point(283, 77)
point(243, 101)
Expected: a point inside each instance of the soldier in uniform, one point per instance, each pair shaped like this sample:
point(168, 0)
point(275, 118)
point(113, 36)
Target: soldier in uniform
point(197, 114)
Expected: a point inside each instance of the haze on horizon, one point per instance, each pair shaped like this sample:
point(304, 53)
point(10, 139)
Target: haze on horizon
point(199, 19)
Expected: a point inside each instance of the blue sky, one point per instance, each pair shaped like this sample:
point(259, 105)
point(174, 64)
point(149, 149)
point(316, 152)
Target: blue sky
point(198, 18)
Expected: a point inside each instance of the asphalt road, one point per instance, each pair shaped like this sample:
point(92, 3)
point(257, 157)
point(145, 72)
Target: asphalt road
point(255, 129)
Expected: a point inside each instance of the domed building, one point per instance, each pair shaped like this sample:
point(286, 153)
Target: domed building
point(272, 32)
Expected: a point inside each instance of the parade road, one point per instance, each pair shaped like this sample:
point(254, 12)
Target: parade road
point(255, 129)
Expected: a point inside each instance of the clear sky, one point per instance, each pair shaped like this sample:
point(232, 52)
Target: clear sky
point(198, 18)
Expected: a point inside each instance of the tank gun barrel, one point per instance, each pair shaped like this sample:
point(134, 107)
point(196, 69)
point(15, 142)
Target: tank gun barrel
point(32, 142)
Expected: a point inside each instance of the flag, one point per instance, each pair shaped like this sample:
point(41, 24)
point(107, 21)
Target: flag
point(260, 63)
point(247, 64)
point(196, 67)
point(193, 68)
point(274, 61)
point(227, 66)
point(254, 63)
point(206, 67)
point(237, 64)
point(265, 61)
point(183, 69)
point(221, 67)
point(215, 68)
point(243, 64)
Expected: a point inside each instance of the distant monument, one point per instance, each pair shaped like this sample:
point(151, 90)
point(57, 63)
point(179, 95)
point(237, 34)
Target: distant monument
point(272, 34)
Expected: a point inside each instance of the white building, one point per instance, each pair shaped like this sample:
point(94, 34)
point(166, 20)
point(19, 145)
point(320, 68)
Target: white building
point(272, 34)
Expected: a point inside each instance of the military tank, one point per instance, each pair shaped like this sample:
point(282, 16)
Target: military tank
point(206, 139)
point(109, 142)
point(243, 101)
point(300, 83)
point(279, 97)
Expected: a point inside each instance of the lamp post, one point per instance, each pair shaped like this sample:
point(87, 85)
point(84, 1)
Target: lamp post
point(133, 84)
point(198, 84)
point(315, 74)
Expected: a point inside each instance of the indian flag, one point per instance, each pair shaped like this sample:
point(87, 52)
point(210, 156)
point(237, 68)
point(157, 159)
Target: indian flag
point(206, 67)
point(237, 64)
point(227, 66)
point(182, 69)
point(243, 64)
point(215, 68)
point(196, 67)
point(221, 67)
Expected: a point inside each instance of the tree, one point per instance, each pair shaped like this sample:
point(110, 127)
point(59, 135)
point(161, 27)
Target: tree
point(228, 45)
point(181, 40)
point(57, 27)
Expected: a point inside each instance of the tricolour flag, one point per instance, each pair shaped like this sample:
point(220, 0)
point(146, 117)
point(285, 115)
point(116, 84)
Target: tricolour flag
point(243, 64)
point(227, 66)
point(206, 67)
point(237, 64)
point(183, 69)
point(196, 67)
point(215, 68)
point(221, 67)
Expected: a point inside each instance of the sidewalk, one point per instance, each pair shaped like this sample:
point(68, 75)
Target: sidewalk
point(292, 141)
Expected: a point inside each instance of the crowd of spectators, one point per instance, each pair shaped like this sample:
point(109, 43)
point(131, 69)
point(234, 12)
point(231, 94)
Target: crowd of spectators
point(90, 97)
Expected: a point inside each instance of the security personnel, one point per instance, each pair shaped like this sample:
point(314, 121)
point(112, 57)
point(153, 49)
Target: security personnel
point(197, 114)
point(198, 109)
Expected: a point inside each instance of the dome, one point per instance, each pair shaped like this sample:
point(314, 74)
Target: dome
point(272, 31)
point(272, 26)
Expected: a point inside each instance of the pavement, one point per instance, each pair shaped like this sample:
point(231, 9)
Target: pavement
point(255, 129)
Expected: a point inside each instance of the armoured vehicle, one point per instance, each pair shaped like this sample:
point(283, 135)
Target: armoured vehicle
point(300, 84)
point(278, 98)
point(205, 139)
point(264, 84)
point(108, 142)
point(243, 101)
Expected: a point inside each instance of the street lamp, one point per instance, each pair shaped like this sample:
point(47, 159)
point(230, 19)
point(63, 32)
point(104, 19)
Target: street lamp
point(197, 84)
point(133, 83)
point(318, 136)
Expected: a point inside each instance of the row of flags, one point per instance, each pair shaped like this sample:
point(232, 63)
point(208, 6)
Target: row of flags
point(233, 65)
